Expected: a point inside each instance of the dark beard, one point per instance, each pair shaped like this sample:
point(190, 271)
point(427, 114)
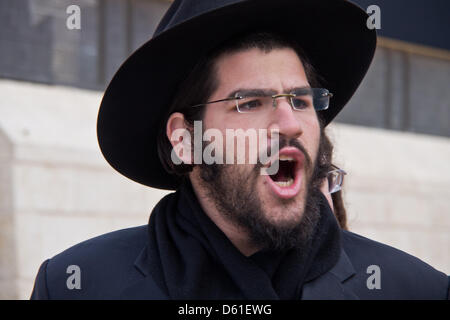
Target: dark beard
point(235, 198)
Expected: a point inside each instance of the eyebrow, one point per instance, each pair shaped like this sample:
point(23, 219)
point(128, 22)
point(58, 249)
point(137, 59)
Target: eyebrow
point(258, 92)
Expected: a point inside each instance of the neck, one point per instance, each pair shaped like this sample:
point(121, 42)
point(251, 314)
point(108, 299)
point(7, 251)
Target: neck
point(237, 235)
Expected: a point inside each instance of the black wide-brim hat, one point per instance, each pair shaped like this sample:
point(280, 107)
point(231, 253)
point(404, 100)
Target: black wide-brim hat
point(333, 33)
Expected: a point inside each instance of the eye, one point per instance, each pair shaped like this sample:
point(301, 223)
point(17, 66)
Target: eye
point(249, 105)
point(301, 103)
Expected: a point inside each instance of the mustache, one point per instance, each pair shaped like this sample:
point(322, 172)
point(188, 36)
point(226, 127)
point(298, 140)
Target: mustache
point(284, 142)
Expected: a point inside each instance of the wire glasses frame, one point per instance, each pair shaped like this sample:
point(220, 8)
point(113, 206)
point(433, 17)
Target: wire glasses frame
point(335, 179)
point(248, 103)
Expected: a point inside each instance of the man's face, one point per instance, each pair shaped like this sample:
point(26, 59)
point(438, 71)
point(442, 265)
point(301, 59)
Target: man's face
point(276, 201)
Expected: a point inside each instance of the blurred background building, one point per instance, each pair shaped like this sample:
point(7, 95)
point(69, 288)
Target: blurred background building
point(57, 190)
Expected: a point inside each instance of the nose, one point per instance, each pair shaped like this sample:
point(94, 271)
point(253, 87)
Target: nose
point(284, 119)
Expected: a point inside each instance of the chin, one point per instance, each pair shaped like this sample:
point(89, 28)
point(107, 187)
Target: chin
point(284, 212)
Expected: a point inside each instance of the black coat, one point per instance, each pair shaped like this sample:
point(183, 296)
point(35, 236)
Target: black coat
point(113, 266)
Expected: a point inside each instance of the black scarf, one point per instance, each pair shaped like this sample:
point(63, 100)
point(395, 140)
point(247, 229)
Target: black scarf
point(191, 258)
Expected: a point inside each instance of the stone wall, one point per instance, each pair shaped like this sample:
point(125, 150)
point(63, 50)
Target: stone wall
point(56, 188)
point(397, 189)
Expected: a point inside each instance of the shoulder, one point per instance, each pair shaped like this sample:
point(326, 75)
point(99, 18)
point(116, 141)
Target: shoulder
point(102, 265)
point(401, 275)
point(121, 245)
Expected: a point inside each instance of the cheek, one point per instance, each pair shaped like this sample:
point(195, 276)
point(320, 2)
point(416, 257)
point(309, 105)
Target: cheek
point(311, 136)
point(222, 119)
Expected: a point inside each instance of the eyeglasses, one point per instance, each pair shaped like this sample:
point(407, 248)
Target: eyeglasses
point(335, 179)
point(300, 99)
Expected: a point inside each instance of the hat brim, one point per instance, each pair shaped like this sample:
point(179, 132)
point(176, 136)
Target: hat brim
point(333, 34)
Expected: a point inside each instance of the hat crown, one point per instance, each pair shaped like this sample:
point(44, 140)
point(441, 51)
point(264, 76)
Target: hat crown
point(182, 10)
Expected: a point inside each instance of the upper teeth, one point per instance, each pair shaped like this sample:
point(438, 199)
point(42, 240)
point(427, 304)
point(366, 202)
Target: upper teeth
point(285, 183)
point(286, 158)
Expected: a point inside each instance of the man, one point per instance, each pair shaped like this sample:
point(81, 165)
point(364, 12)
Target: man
point(237, 229)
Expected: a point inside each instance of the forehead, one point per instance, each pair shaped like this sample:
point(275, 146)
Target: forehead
point(254, 68)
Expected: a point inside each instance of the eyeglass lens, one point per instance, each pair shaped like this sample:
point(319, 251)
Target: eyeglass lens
point(335, 179)
point(301, 99)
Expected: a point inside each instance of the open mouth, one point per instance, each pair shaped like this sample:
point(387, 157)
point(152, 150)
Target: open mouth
point(286, 171)
point(286, 182)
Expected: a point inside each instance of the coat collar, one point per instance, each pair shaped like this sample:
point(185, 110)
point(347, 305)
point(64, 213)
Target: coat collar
point(145, 288)
point(328, 286)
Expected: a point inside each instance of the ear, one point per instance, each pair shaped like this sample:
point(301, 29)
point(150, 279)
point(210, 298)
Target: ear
point(179, 136)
